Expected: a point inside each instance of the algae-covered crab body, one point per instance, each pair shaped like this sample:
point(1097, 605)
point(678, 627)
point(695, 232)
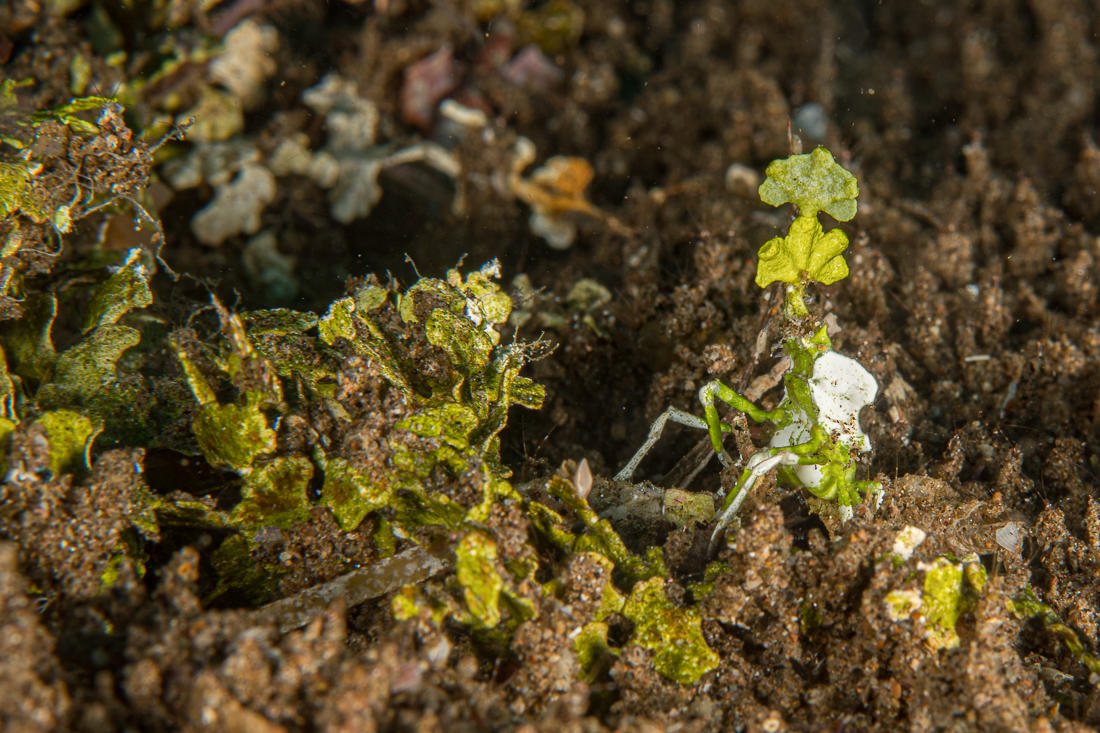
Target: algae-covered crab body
point(817, 431)
point(839, 388)
point(817, 427)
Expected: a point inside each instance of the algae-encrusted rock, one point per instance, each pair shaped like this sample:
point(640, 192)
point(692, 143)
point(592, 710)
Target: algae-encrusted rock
point(385, 409)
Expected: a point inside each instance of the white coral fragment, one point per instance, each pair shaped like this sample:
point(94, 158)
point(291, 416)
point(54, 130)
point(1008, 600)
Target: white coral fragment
point(356, 190)
point(558, 232)
point(292, 157)
point(247, 62)
point(236, 207)
point(908, 540)
point(214, 163)
point(270, 269)
point(351, 122)
point(350, 163)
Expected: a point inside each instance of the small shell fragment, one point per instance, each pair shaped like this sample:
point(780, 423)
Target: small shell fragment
point(1010, 537)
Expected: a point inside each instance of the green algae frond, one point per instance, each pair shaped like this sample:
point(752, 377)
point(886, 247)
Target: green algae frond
point(805, 252)
point(950, 590)
point(70, 435)
point(942, 602)
point(233, 436)
point(86, 382)
point(594, 654)
point(126, 289)
point(90, 395)
point(352, 494)
point(1027, 605)
point(275, 493)
point(476, 558)
point(673, 633)
point(812, 182)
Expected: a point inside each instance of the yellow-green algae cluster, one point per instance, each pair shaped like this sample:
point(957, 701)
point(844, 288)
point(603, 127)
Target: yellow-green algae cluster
point(281, 365)
point(812, 182)
point(76, 393)
point(58, 164)
point(438, 349)
point(85, 392)
point(950, 589)
point(672, 632)
point(449, 384)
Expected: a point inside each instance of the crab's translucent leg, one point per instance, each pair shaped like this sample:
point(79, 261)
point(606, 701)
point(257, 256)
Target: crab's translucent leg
point(757, 466)
point(673, 414)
